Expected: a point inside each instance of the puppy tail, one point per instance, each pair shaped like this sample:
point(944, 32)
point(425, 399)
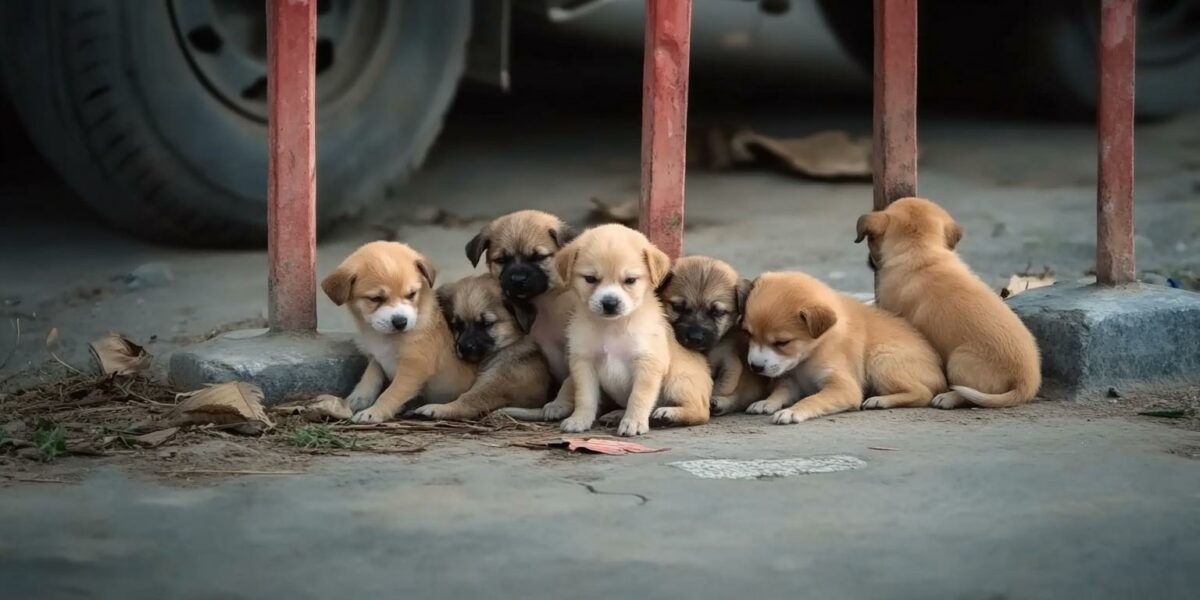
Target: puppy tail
point(1010, 398)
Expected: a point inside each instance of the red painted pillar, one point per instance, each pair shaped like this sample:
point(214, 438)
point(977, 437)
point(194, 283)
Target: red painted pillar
point(664, 122)
point(1114, 194)
point(895, 102)
point(292, 177)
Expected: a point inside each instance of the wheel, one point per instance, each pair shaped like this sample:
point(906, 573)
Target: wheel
point(155, 112)
point(1038, 56)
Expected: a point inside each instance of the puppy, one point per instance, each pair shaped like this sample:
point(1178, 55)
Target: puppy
point(823, 349)
point(619, 340)
point(512, 371)
point(991, 358)
point(388, 288)
point(704, 298)
point(518, 249)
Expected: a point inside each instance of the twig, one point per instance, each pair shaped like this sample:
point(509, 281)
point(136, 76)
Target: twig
point(883, 448)
point(35, 479)
point(16, 344)
point(64, 363)
point(228, 472)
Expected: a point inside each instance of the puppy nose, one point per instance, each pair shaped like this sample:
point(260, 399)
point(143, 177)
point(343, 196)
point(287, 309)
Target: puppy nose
point(399, 321)
point(518, 277)
point(609, 304)
point(695, 336)
point(757, 368)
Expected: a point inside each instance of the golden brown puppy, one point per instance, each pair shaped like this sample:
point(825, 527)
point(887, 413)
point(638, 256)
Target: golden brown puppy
point(388, 288)
point(823, 349)
point(512, 371)
point(518, 249)
point(704, 298)
point(618, 337)
point(991, 358)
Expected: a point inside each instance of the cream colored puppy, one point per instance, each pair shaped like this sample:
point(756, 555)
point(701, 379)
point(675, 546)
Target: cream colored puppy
point(618, 339)
point(991, 358)
point(824, 349)
point(388, 289)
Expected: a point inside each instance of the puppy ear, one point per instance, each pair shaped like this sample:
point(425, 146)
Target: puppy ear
point(565, 261)
point(427, 271)
point(871, 225)
point(477, 246)
point(740, 293)
point(524, 312)
point(954, 234)
point(658, 265)
point(662, 287)
point(818, 319)
point(443, 294)
point(337, 285)
point(562, 235)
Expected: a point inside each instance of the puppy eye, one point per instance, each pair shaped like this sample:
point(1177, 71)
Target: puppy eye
point(538, 257)
point(411, 295)
point(782, 343)
point(591, 278)
point(630, 280)
point(377, 299)
point(716, 312)
point(679, 307)
point(486, 324)
point(503, 260)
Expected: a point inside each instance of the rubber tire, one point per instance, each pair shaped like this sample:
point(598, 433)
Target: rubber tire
point(1015, 55)
point(108, 96)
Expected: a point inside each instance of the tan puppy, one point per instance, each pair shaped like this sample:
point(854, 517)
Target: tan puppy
point(388, 288)
point(618, 337)
point(704, 298)
point(991, 358)
point(512, 371)
point(823, 349)
point(519, 248)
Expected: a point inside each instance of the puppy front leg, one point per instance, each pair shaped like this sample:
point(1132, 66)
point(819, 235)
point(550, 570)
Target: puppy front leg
point(839, 392)
point(724, 395)
point(647, 385)
point(486, 394)
point(405, 386)
point(586, 390)
point(368, 387)
point(783, 394)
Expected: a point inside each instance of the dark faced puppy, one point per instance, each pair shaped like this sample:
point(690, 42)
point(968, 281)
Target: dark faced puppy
point(512, 371)
point(518, 247)
point(703, 298)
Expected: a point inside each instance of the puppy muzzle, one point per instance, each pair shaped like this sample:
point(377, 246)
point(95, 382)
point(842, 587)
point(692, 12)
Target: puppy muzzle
point(695, 337)
point(523, 280)
point(473, 346)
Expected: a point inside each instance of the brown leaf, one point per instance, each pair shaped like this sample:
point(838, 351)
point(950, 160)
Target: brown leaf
point(1023, 283)
point(605, 446)
point(155, 438)
point(119, 356)
point(822, 155)
point(51, 337)
point(322, 408)
point(233, 403)
point(624, 212)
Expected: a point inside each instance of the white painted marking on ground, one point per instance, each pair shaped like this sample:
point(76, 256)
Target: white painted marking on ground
point(754, 469)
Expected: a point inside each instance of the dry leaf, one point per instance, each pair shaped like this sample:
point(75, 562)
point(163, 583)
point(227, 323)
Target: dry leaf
point(322, 408)
point(52, 336)
point(624, 212)
point(822, 155)
point(155, 438)
point(604, 446)
point(117, 355)
point(1022, 283)
point(230, 403)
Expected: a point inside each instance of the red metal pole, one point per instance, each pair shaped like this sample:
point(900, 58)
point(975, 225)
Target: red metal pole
point(291, 178)
point(895, 110)
point(1114, 194)
point(664, 122)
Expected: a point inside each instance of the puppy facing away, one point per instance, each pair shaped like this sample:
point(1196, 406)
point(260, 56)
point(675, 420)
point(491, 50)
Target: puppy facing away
point(704, 298)
point(619, 341)
point(388, 289)
point(518, 249)
point(512, 371)
point(823, 349)
point(991, 358)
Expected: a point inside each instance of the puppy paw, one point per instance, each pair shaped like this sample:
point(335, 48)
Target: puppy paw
point(789, 417)
point(720, 405)
point(555, 410)
point(371, 415)
point(948, 400)
point(872, 403)
point(438, 411)
point(764, 407)
point(612, 418)
point(357, 402)
point(631, 427)
point(576, 424)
